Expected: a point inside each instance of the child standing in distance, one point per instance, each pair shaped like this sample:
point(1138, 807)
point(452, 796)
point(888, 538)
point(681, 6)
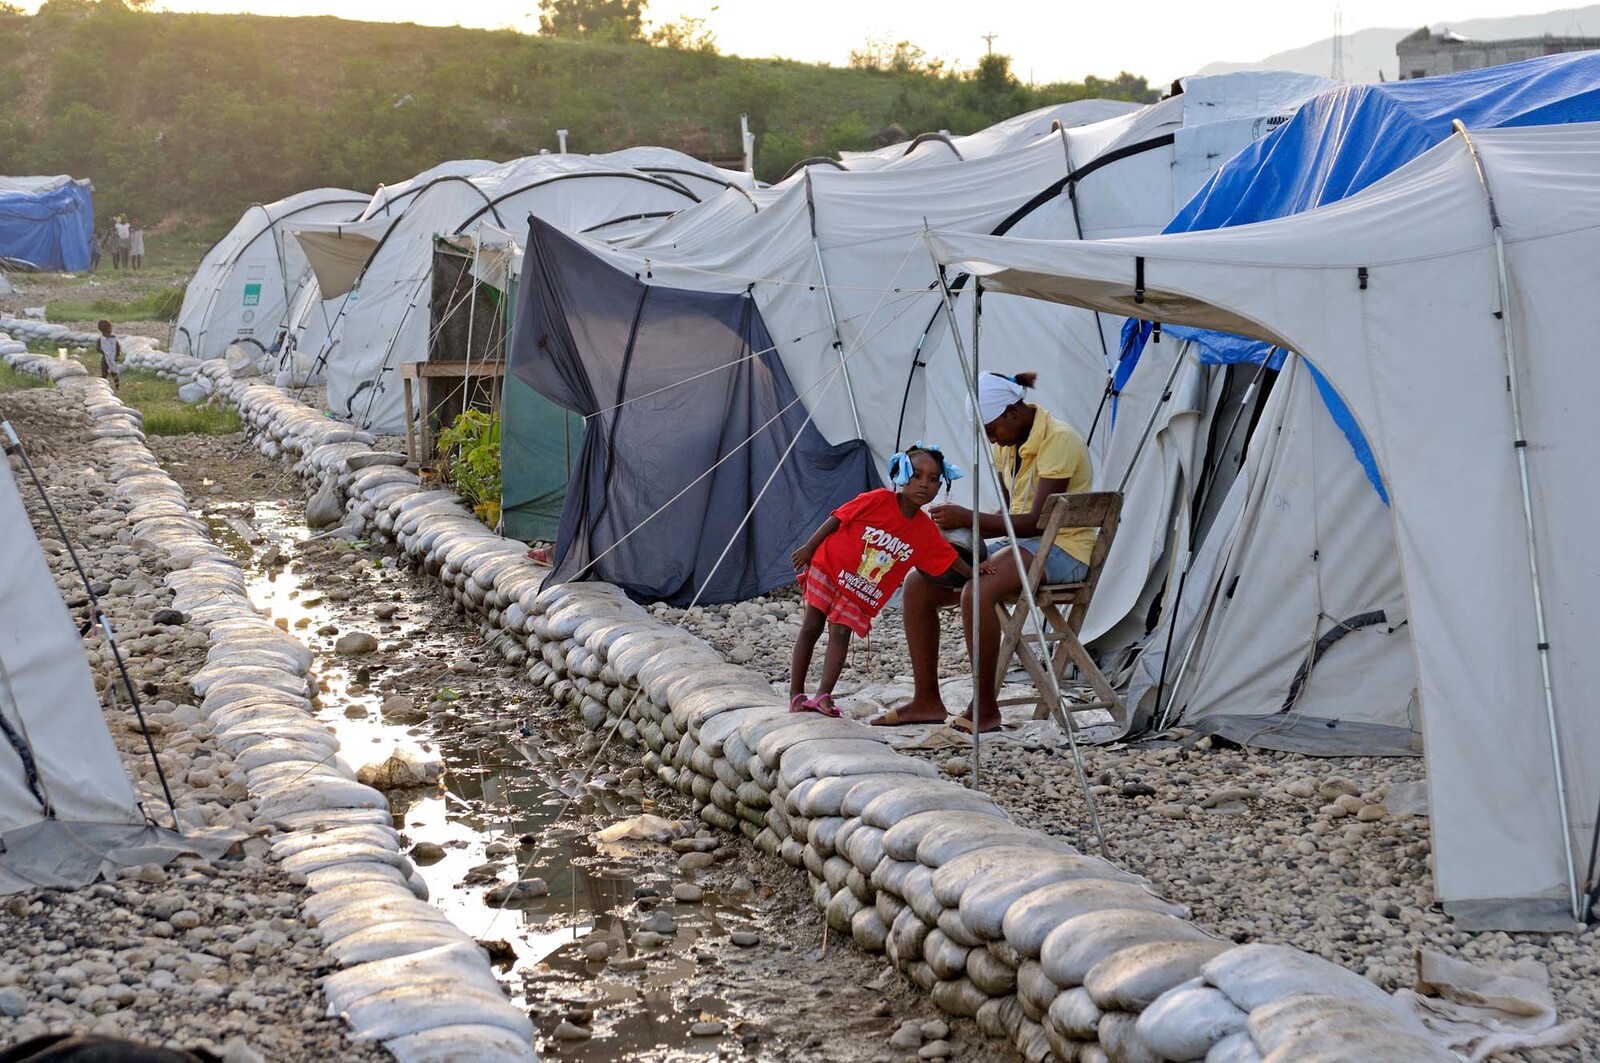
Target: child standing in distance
point(850, 568)
point(110, 355)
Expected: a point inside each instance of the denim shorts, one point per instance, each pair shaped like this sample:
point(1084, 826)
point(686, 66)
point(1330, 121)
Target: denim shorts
point(1059, 566)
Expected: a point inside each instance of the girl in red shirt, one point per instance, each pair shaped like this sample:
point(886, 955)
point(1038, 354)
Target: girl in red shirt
point(854, 563)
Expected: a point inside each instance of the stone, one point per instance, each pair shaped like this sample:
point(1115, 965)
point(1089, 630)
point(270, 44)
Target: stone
point(934, 1050)
point(385, 610)
point(909, 1035)
point(355, 643)
point(567, 1031)
point(1171, 811)
point(523, 894)
point(936, 1029)
point(745, 938)
point(426, 853)
point(687, 893)
point(1138, 789)
point(695, 861)
point(167, 618)
point(13, 1002)
point(597, 951)
point(1336, 787)
point(187, 919)
point(1371, 813)
point(1301, 788)
point(707, 1028)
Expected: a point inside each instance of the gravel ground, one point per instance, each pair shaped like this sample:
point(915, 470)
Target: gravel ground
point(201, 953)
point(1264, 846)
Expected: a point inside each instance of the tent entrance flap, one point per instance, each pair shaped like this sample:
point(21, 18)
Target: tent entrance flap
point(688, 416)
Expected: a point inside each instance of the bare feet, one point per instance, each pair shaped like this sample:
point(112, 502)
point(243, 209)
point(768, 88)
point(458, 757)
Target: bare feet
point(928, 711)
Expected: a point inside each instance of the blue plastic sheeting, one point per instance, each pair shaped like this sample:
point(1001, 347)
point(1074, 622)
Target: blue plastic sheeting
point(698, 472)
point(1348, 138)
point(49, 229)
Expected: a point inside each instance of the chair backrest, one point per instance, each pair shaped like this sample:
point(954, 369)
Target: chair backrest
point(1088, 509)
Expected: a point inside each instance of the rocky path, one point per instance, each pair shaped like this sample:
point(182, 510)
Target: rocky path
point(201, 953)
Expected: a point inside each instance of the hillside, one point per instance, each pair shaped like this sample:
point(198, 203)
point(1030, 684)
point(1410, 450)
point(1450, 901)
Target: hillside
point(202, 114)
point(1371, 51)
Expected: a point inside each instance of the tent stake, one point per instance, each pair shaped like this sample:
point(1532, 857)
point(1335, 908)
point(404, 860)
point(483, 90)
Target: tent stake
point(1520, 445)
point(1011, 534)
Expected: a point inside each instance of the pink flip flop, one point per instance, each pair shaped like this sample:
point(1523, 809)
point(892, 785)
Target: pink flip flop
point(823, 703)
point(799, 703)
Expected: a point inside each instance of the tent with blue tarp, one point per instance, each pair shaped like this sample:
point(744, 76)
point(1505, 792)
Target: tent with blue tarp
point(1292, 631)
point(47, 221)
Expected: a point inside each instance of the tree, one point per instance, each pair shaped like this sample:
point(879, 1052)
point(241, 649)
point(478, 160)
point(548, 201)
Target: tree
point(688, 34)
point(616, 20)
point(901, 57)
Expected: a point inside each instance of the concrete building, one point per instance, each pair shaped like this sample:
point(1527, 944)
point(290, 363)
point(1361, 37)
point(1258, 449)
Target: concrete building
point(1427, 54)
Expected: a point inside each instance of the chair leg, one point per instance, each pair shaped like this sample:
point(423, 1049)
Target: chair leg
point(1092, 673)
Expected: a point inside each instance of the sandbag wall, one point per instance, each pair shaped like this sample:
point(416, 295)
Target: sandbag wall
point(412, 979)
point(1065, 954)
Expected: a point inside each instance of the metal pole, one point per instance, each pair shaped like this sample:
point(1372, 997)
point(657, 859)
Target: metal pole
point(1027, 592)
point(977, 532)
point(833, 317)
point(1520, 445)
point(1150, 422)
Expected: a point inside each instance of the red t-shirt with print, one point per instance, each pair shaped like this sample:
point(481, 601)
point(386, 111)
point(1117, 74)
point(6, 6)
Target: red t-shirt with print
point(876, 547)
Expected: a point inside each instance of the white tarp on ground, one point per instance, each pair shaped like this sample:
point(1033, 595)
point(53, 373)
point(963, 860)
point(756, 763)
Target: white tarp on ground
point(384, 319)
point(241, 290)
point(1419, 353)
point(63, 793)
point(830, 244)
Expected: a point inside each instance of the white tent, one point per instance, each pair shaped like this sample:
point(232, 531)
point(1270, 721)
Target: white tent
point(1003, 136)
point(1455, 354)
point(65, 803)
point(838, 268)
point(241, 290)
point(384, 320)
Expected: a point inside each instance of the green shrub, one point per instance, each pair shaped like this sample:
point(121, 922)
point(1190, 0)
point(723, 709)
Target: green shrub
point(472, 445)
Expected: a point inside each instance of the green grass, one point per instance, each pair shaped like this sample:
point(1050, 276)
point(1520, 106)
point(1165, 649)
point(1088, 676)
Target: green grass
point(157, 304)
point(11, 380)
point(167, 415)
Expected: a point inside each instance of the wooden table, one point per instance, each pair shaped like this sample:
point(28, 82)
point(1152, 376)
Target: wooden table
point(424, 371)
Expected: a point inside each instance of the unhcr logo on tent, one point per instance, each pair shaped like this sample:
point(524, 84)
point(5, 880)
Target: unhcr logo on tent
point(252, 295)
point(1266, 124)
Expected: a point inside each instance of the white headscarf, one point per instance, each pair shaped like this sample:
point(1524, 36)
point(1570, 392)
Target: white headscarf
point(996, 393)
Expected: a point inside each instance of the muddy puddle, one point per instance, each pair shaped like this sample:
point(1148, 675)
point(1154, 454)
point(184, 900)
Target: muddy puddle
point(626, 956)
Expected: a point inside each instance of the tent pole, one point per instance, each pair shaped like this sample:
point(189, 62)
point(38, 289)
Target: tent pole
point(969, 371)
point(833, 316)
point(1150, 422)
point(1520, 445)
point(977, 533)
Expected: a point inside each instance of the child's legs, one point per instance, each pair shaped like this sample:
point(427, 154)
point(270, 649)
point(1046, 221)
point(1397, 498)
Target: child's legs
point(833, 662)
point(811, 624)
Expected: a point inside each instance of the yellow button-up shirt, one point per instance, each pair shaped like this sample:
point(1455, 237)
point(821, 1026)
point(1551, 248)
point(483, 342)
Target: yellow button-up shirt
point(1053, 451)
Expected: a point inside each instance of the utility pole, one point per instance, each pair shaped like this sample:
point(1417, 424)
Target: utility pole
point(1338, 45)
point(988, 42)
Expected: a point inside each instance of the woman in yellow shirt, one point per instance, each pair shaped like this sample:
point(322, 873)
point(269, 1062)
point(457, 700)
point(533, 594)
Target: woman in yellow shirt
point(1037, 456)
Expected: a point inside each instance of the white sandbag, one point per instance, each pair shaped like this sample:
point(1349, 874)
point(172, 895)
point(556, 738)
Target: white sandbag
point(1132, 978)
point(1031, 918)
point(318, 906)
point(1288, 1019)
point(948, 959)
point(989, 974)
point(985, 901)
point(1363, 1045)
point(1188, 1020)
point(927, 795)
point(343, 852)
point(462, 1043)
point(1076, 1016)
point(907, 934)
point(997, 863)
point(408, 1009)
point(958, 996)
point(1254, 975)
point(1234, 1048)
point(386, 940)
point(286, 845)
point(902, 839)
point(939, 847)
point(349, 920)
point(1075, 946)
point(1035, 990)
point(869, 930)
point(1119, 1036)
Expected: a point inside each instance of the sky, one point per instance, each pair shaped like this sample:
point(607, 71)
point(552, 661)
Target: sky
point(1048, 40)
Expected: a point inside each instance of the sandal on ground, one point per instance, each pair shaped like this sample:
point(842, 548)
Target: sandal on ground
point(892, 718)
point(823, 703)
point(964, 725)
point(799, 703)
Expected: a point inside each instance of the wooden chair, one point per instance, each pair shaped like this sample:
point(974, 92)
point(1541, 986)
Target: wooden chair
point(1063, 607)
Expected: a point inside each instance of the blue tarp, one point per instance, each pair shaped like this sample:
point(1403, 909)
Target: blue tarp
point(50, 229)
point(1348, 138)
